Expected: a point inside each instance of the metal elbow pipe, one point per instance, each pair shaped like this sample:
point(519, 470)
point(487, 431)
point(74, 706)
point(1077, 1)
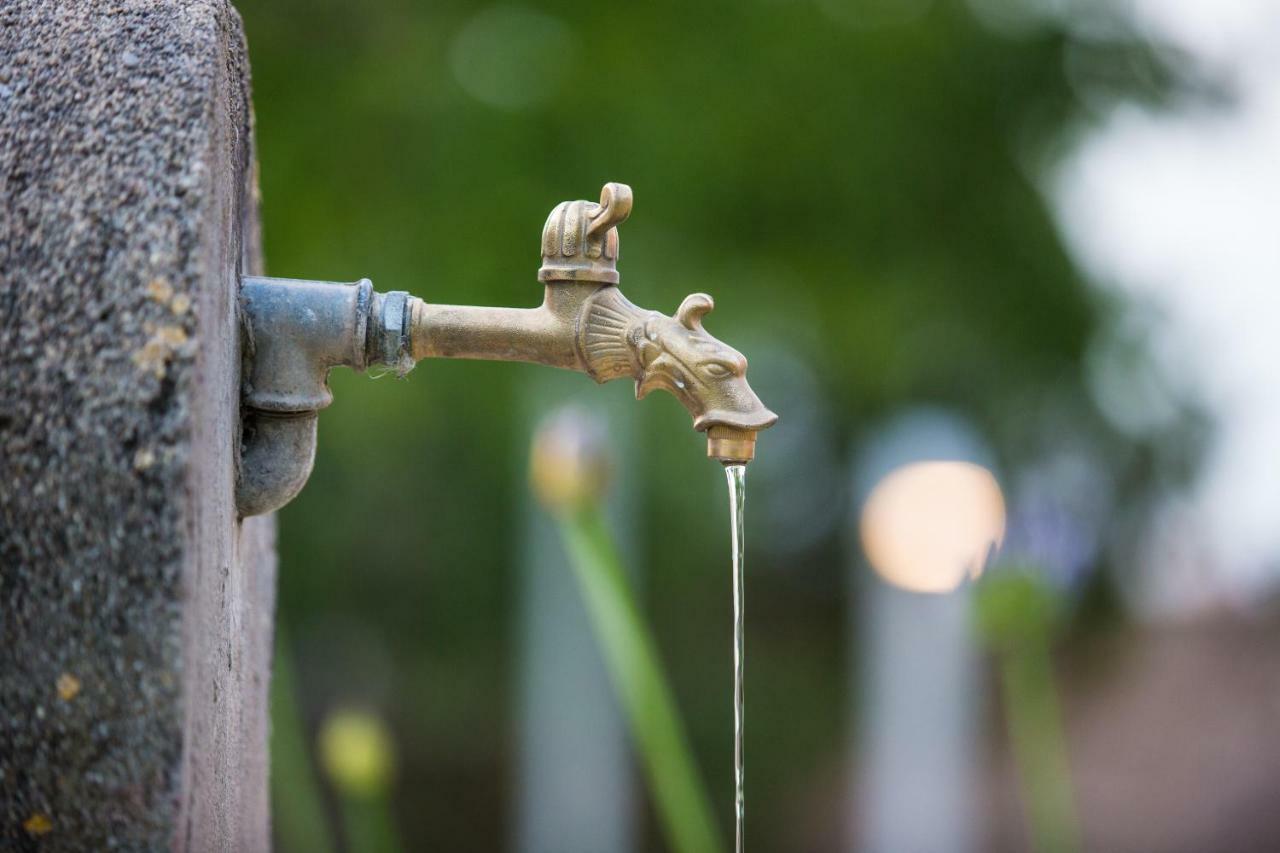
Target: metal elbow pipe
point(277, 453)
point(294, 333)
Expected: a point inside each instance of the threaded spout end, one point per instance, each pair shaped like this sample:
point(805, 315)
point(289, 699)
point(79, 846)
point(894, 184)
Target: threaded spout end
point(730, 444)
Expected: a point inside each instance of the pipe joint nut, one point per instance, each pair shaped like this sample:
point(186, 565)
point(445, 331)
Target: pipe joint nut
point(389, 343)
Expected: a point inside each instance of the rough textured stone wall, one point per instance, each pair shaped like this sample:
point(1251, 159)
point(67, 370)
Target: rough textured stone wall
point(135, 609)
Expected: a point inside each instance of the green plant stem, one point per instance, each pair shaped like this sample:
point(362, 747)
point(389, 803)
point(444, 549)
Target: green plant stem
point(1036, 733)
point(632, 660)
point(298, 816)
point(370, 826)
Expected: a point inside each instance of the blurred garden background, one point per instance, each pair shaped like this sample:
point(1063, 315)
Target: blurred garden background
point(1026, 235)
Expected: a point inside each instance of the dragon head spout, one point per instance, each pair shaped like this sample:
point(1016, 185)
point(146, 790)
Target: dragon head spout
point(675, 354)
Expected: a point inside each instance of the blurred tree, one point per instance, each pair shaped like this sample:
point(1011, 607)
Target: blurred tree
point(853, 185)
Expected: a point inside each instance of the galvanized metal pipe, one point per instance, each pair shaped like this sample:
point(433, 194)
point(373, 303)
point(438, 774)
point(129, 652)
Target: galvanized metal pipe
point(295, 332)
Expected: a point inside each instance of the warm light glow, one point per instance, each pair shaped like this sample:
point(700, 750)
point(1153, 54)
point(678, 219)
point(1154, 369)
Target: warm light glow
point(929, 525)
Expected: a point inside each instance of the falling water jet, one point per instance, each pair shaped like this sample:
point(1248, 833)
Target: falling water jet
point(736, 475)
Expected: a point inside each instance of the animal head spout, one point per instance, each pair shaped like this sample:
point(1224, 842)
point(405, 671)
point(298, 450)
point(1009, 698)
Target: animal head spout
point(675, 354)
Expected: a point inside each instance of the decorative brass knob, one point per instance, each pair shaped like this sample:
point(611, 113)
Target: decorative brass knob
point(580, 239)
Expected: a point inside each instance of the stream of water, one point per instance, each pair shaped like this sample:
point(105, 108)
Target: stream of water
point(737, 477)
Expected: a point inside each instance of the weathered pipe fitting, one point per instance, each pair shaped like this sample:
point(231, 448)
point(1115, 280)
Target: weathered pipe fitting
point(277, 453)
point(389, 333)
point(295, 332)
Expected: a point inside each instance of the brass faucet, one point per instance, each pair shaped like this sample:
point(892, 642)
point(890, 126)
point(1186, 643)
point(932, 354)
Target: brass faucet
point(296, 331)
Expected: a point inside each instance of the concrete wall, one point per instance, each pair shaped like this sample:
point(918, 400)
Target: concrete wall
point(135, 609)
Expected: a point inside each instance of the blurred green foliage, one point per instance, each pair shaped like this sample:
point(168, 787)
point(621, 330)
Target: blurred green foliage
point(638, 677)
point(860, 195)
point(1016, 614)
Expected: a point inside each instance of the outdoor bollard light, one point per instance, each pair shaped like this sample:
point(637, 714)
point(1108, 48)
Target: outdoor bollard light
point(295, 331)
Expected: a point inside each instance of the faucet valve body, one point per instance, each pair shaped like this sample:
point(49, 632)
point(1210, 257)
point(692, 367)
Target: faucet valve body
point(580, 239)
point(615, 338)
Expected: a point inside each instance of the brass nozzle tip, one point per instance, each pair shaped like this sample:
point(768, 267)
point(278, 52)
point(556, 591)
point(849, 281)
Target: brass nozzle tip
point(730, 444)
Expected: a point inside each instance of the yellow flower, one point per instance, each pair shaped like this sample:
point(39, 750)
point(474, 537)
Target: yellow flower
point(356, 751)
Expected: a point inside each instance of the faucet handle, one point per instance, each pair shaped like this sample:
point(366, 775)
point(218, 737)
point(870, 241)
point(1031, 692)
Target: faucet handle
point(580, 239)
point(613, 209)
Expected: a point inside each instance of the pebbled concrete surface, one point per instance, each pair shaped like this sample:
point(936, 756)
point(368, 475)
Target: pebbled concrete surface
point(135, 610)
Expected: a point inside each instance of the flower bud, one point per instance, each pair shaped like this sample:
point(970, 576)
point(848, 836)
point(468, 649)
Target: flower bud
point(569, 462)
point(356, 751)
